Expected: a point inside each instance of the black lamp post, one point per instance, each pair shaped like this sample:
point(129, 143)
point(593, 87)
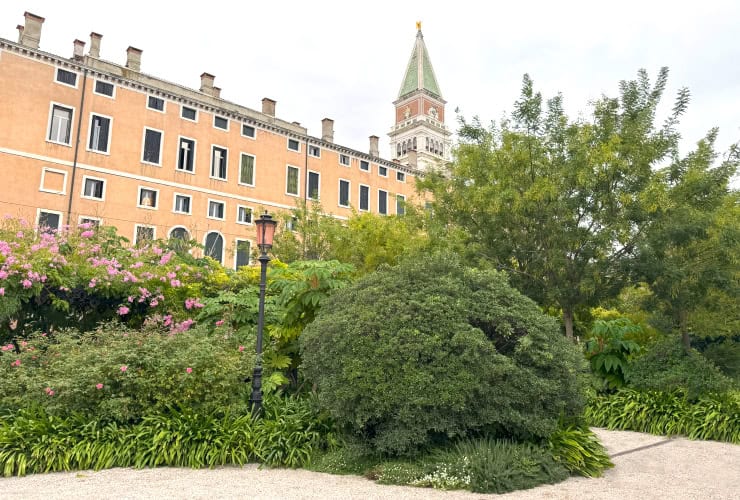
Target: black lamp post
point(265, 233)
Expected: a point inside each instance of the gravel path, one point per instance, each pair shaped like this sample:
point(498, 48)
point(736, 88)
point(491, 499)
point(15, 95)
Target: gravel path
point(646, 467)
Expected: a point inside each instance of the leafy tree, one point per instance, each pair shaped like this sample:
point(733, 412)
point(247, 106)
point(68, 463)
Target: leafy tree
point(692, 249)
point(430, 349)
point(608, 350)
point(560, 204)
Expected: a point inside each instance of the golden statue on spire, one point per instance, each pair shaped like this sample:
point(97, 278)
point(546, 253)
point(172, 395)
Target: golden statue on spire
point(418, 25)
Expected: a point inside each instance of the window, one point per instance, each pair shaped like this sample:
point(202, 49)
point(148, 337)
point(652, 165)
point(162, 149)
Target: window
point(186, 155)
point(143, 234)
point(220, 122)
point(152, 146)
point(188, 113)
point(246, 170)
point(344, 160)
point(155, 103)
point(179, 233)
point(364, 197)
point(314, 151)
point(219, 161)
point(294, 145)
point(148, 198)
point(314, 182)
point(104, 88)
point(382, 171)
point(243, 215)
point(382, 202)
point(400, 204)
point(48, 220)
point(93, 188)
point(66, 77)
point(291, 224)
point(216, 209)
point(214, 246)
point(400, 176)
point(182, 204)
point(241, 257)
point(365, 165)
point(343, 193)
point(248, 131)
point(90, 221)
point(292, 186)
point(60, 124)
point(99, 134)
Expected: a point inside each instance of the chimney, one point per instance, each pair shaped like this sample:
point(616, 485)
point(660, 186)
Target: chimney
point(374, 146)
point(216, 92)
point(20, 32)
point(95, 45)
point(327, 130)
point(133, 58)
point(79, 49)
point(412, 158)
point(297, 124)
point(30, 36)
point(268, 106)
point(206, 83)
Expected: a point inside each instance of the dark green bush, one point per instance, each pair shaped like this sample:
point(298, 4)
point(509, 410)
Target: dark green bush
point(711, 417)
point(668, 367)
point(116, 373)
point(580, 451)
point(32, 441)
point(726, 355)
point(430, 350)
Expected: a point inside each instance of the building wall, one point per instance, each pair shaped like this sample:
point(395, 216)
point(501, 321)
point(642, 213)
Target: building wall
point(38, 173)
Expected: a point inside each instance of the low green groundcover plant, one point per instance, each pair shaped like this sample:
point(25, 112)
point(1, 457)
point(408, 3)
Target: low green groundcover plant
point(432, 350)
point(714, 417)
point(483, 465)
point(287, 434)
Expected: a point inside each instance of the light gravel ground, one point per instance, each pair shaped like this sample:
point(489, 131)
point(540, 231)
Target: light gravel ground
point(666, 469)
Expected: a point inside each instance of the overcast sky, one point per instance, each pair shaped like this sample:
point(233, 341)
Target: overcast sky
point(345, 60)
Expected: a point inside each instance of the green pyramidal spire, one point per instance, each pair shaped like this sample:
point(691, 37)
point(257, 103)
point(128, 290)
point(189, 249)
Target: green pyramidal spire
point(419, 72)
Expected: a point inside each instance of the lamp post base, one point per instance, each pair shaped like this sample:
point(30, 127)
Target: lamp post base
point(255, 400)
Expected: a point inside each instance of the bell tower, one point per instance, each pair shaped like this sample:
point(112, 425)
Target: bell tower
point(419, 137)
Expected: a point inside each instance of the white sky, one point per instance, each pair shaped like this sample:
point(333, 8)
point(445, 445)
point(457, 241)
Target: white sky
point(345, 60)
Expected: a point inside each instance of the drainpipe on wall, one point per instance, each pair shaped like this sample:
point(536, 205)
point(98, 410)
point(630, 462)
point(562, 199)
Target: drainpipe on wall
point(77, 146)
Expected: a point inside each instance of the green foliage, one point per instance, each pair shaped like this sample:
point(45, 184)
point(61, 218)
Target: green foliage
point(431, 350)
point(561, 204)
point(499, 466)
point(726, 356)
point(580, 451)
point(118, 374)
point(664, 413)
point(609, 351)
point(667, 366)
point(288, 434)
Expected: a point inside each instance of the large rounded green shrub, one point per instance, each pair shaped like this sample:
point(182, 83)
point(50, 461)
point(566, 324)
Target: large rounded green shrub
point(430, 349)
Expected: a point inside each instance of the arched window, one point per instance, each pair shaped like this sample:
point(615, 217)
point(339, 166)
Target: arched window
point(404, 147)
point(180, 233)
point(214, 244)
point(427, 144)
point(398, 149)
point(414, 147)
point(442, 149)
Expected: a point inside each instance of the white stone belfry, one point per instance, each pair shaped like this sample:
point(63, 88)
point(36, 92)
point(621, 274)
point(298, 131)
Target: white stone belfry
point(419, 137)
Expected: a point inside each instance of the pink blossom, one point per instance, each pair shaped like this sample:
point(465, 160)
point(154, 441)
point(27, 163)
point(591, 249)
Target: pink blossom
point(165, 258)
point(189, 370)
point(175, 283)
point(123, 310)
point(154, 303)
point(3, 275)
point(19, 234)
point(2, 291)
point(130, 298)
point(87, 234)
point(8, 347)
point(17, 362)
point(168, 320)
point(219, 322)
point(49, 391)
point(241, 348)
point(99, 386)
point(124, 368)
point(27, 283)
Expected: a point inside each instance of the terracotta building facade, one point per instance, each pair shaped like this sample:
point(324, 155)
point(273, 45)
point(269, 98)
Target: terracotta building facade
point(86, 140)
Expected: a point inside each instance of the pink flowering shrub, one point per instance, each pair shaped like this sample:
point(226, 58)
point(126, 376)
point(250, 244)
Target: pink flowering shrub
point(121, 374)
point(80, 276)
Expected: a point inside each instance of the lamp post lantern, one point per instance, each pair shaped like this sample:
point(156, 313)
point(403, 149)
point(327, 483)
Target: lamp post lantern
point(265, 233)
